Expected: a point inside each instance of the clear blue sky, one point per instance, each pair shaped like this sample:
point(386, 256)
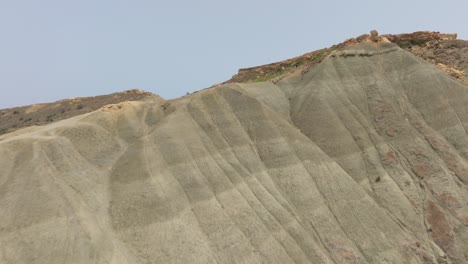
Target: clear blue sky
point(55, 49)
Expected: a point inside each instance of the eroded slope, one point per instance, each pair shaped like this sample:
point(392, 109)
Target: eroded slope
point(363, 159)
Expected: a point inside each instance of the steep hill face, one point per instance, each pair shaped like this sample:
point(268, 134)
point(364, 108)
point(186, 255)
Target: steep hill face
point(397, 126)
point(361, 159)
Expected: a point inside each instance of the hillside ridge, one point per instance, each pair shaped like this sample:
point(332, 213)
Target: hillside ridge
point(443, 50)
point(15, 118)
point(435, 47)
point(363, 158)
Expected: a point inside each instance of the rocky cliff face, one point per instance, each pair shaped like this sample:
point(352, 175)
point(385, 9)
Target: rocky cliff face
point(444, 50)
point(362, 158)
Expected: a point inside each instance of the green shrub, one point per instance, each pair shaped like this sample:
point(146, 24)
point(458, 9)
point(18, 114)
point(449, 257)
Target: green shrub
point(269, 76)
point(319, 54)
point(404, 44)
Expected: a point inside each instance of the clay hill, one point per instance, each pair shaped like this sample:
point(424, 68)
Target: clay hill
point(356, 155)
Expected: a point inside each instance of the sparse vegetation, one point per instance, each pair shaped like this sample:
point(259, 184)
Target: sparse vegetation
point(319, 54)
point(309, 60)
point(274, 70)
point(418, 42)
point(269, 77)
point(52, 112)
point(298, 62)
point(404, 44)
point(50, 118)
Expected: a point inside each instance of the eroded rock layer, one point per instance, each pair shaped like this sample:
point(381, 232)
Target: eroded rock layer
point(363, 159)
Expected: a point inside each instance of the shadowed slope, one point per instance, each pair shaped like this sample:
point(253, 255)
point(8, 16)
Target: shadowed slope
point(397, 125)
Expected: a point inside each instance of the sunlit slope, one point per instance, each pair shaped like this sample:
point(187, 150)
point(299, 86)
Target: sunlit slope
point(361, 160)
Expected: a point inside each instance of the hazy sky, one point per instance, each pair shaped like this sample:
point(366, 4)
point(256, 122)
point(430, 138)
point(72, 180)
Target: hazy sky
point(55, 49)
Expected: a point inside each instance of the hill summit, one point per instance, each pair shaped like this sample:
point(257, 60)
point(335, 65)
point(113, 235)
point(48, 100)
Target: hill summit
point(361, 157)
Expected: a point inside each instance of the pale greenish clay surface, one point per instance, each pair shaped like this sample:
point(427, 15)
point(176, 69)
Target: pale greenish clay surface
point(363, 159)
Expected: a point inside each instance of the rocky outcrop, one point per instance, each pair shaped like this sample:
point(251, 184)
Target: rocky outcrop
point(419, 38)
point(374, 35)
